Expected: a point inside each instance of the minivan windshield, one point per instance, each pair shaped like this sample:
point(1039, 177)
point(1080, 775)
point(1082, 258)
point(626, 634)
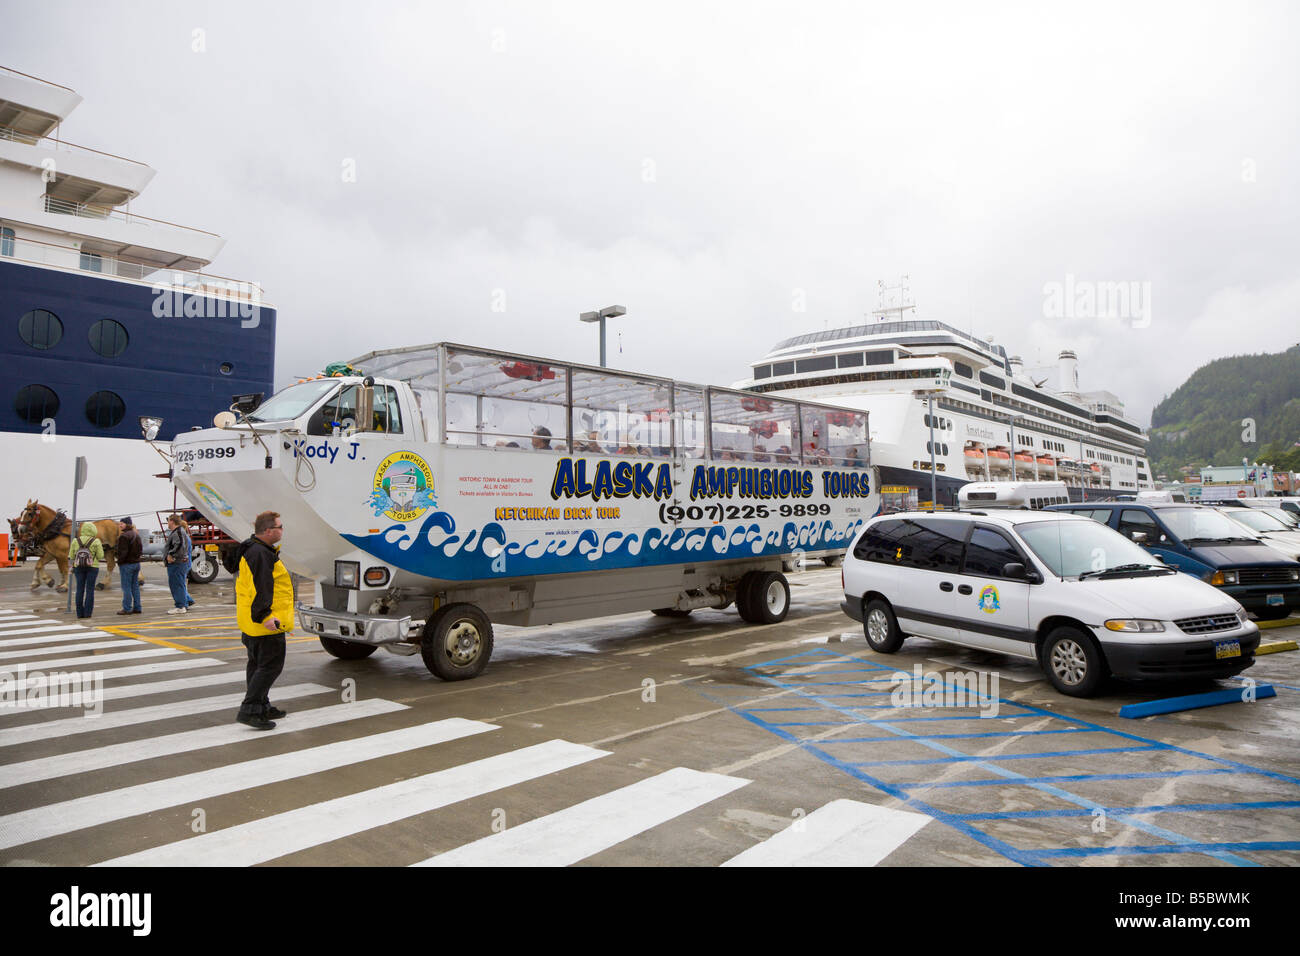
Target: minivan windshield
point(1260, 521)
point(292, 401)
point(1195, 526)
point(1073, 547)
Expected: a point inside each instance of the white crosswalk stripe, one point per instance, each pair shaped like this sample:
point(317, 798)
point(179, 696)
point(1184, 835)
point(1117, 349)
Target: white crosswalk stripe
point(31, 636)
point(70, 726)
point(842, 833)
point(91, 659)
point(134, 670)
point(580, 831)
point(126, 691)
point(70, 816)
point(83, 761)
point(24, 620)
point(285, 833)
point(38, 651)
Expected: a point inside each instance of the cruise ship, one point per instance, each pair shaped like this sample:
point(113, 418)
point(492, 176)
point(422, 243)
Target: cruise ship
point(109, 316)
point(991, 420)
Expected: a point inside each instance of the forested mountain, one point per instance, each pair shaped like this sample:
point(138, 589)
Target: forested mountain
point(1201, 422)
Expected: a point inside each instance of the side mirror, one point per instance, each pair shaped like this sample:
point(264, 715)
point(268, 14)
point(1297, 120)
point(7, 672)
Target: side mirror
point(1139, 537)
point(1014, 570)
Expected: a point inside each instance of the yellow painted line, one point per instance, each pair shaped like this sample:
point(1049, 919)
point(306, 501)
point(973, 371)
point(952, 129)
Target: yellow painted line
point(1285, 622)
point(1277, 646)
point(148, 640)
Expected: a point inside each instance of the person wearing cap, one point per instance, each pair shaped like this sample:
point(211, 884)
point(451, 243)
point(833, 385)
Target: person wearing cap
point(129, 549)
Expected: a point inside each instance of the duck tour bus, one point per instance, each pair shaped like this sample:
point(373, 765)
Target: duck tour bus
point(430, 491)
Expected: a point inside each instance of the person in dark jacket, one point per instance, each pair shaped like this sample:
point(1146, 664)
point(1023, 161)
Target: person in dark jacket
point(129, 549)
point(264, 610)
point(177, 561)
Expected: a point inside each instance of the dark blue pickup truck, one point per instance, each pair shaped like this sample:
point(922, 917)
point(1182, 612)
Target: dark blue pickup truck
point(1202, 542)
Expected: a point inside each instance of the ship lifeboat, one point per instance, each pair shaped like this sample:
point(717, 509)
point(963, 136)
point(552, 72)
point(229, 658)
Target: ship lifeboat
point(765, 428)
point(843, 419)
point(999, 458)
point(752, 404)
point(974, 451)
point(1046, 461)
point(1096, 469)
point(1024, 457)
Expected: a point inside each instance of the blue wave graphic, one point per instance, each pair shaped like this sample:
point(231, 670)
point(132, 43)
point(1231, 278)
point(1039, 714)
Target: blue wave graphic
point(437, 551)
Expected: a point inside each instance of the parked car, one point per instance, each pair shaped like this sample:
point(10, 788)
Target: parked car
point(1274, 532)
point(1079, 598)
point(1201, 541)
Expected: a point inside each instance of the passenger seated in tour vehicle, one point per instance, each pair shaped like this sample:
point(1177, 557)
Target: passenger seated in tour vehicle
point(760, 453)
point(542, 437)
point(783, 455)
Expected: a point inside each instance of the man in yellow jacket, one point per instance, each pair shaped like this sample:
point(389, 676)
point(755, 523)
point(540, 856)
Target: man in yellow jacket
point(264, 609)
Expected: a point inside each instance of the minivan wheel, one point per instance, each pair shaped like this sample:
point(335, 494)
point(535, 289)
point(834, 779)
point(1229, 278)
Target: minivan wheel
point(1072, 662)
point(881, 627)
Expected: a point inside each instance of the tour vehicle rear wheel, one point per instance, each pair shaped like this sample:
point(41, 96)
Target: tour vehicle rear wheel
point(346, 650)
point(457, 642)
point(769, 598)
point(670, 612)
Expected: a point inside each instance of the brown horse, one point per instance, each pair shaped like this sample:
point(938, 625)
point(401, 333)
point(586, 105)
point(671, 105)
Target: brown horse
point(48, 529)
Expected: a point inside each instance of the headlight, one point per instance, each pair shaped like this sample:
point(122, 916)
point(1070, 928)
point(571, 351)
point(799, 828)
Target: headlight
point(1220, 578)
point(1145, 627)
point(1295, 575)
point(1241, 615)
point(347, 574)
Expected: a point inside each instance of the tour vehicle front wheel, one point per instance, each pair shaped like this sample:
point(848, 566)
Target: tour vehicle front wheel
point(457, 642)
point(346, 650)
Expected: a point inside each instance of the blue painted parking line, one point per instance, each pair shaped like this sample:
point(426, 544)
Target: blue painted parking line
point(1064, 778)
point(1162, 808)
point(908, 793)
point(977, 758)
point(1257, 846)
point(1173, 705)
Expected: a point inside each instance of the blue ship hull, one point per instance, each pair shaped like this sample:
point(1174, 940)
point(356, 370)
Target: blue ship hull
point(170, 368)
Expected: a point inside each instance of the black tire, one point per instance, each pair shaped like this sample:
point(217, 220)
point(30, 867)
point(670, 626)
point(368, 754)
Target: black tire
point(204, 568)
point(669, 612)
point(346, 650)
point(744, 593)
point(1073, 662)
point(1272, 613)
point(457, 642)
point(878, 617)
point(769, 598)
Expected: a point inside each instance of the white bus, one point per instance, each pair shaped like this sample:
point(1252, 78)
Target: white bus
point(444, 487)
point(1025, 495)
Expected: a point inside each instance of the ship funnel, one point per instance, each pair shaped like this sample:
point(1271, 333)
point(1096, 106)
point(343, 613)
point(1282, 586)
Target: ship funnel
point(1069, 372)
point(1017, 366)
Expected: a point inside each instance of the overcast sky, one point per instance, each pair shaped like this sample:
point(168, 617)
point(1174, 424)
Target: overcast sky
point(715, 168)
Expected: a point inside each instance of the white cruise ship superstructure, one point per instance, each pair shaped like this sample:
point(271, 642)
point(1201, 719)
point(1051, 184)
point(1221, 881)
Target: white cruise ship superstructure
point(992, 421)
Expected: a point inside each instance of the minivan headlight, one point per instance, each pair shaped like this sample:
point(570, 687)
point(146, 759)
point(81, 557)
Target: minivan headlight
point(1220, 578)
point(1242, 615)
point(1135, 625)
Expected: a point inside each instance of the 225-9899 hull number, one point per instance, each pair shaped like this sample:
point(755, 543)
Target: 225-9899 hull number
point(672, 514)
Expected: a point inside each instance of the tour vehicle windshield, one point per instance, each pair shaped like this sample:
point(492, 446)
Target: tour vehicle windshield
point(292, 401)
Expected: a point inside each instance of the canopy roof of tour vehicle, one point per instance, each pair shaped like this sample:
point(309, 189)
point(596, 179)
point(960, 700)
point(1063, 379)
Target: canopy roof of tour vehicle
point(488, 373)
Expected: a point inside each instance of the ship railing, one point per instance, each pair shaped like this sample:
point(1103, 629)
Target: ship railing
point(28, 76)
point(202, 283)
point(47, 142)
point(86, 210)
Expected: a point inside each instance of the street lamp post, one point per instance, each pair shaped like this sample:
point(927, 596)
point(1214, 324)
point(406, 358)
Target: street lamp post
point(609, 312)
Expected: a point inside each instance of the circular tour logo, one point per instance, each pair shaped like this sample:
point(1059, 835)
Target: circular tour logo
point(403, 487)
point(989, 600)
point(210, 496)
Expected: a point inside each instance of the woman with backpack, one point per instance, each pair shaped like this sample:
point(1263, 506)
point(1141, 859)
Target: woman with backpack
point(86, 559)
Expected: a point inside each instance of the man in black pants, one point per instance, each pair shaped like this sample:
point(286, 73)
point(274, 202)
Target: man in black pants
point(264, 609)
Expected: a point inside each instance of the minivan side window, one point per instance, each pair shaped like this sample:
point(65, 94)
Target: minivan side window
point(933, 545)
point(987, 552)
point(879, 542)
point(1131, 520)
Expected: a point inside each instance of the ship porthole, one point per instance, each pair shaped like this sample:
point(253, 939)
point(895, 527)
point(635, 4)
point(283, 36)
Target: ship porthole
point(35, 403)
point(226, 368)
point(40, 328)
point(105, 409)
point(108, 338)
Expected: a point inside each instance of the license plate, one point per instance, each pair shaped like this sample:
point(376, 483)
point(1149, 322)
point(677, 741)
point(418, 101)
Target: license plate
point(1275, 600)
point(211, 547)
point(1224, 649)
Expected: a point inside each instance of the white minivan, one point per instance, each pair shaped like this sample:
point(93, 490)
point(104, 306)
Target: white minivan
point(1066, 591)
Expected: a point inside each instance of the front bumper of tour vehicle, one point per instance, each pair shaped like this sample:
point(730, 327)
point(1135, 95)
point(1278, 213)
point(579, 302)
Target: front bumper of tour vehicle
point(359, 628)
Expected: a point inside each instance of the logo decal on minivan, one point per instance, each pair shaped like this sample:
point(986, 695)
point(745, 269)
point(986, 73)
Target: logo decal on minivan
point(989, 600)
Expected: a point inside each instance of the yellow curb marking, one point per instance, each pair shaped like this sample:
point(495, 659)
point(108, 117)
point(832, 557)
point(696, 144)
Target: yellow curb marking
point(1276, 647)
point(1285, 622)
